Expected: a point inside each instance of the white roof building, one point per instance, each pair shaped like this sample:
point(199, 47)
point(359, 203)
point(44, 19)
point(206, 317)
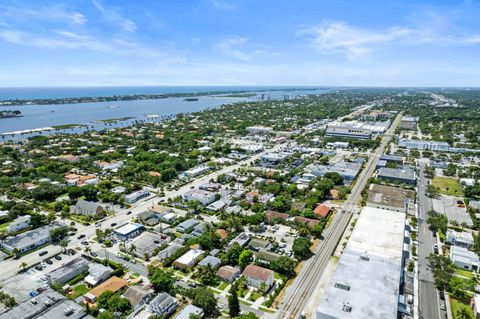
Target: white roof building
point(189, 259)
point(367, 279)
point(464, 258)
point(460, 239)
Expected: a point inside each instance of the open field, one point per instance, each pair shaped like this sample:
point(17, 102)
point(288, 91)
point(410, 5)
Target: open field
point(448, 186)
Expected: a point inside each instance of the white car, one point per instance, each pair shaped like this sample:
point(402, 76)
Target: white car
point(44, 278)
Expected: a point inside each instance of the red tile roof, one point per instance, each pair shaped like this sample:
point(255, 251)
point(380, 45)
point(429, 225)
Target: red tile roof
point(257, 272)
point(308, 221)
point(322, 210)
point(270, 214)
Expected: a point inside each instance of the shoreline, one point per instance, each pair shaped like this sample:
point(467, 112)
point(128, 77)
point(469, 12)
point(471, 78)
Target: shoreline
point(137, 97)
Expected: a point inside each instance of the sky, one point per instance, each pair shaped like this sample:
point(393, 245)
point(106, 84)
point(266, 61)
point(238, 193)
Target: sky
point(233, 42)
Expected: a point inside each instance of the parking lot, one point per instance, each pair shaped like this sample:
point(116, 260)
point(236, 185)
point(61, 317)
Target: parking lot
point(448, 205)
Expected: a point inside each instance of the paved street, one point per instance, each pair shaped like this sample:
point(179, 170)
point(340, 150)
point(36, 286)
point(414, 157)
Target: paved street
point(428, 294)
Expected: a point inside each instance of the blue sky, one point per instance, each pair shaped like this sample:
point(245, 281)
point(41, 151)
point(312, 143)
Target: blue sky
point(234, 42)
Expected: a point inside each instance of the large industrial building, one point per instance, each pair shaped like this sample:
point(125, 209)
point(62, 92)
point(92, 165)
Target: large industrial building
point(367, 279)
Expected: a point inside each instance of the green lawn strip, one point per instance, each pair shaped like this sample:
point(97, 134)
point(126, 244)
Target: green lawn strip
point(266, 309)
point(457, 306)
point(223, 286)
point(464, 273)
point(78, 290)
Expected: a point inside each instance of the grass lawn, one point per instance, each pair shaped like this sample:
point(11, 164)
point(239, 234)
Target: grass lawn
point(78, 290)
point(457, 305)
point(4, 226)
point(464, 273)
point(223, 286)
point(448, 186)
point(254, 296)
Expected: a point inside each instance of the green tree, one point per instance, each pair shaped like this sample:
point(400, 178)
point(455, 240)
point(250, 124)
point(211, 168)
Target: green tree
point(437, 221)
point(106, 315)
point(284, 265)
point(162, 281)
point(102, 301)
point(245, 258)
point(233, 302)
point(301, 248)
point(205, 299)
point(232, 254)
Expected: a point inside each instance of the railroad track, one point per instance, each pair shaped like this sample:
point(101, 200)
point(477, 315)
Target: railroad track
point(308, 279)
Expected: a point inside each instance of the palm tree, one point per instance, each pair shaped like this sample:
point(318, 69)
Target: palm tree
point(132, 249)
point(23, 265)
point(87, 250)
point(64, 244)
point(463, 313)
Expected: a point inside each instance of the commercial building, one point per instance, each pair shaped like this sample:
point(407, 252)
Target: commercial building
point(113, 284)
point(203, 197)
point(86, 208)
point(196, 171)
point(136, 196)
point(29, 240)
point(460, 239)
point(272, 159)
point(68, 271)
point(464, 258)
point(163, 304)
point(392, 158)
point(189, 259)
point(348, 170)
point(366, 282)
point(47, 305)
point(347, 132)
point(391, 198)
point(257, 276)
point(129, 231)
point(404, 175)
point(18, 224)
point(424, 145)
point(187, 225)
point(259, 129)
point(408, 123)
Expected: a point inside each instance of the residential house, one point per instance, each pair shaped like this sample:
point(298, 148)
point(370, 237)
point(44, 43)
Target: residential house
point(464, 258)
point(460, 239)
point(20, 223)
point(203, 197)
point(97, 273)
point(189, 259)
point(258, 276)
point(228, 273)
point(163, 304)
point(322, 210)
point(138, 295)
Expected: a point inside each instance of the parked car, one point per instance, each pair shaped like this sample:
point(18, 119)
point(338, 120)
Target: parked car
point(94, 254)
point(38, 267)
point(85, 242)
point(129, 212)
point(48, 261)
point(58, 257)
point(81, 236)
point(43, 253)
point(442, 305)
point(113, 224)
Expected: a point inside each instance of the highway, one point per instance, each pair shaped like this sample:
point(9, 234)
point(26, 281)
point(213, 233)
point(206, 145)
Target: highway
point(298, 294)
point(428, 293)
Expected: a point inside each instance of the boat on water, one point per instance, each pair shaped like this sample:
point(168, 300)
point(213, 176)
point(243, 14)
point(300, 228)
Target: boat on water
point(191, 99)
point(112, 107)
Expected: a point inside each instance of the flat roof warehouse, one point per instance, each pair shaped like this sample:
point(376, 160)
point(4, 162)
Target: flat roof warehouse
point(366, 281)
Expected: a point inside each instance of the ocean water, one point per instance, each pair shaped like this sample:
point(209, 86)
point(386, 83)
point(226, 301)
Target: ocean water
point(41, 116)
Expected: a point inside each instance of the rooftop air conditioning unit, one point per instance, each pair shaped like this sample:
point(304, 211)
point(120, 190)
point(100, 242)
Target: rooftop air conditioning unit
point(346, 307)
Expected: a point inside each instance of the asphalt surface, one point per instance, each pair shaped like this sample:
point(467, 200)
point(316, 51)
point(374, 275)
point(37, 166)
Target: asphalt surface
point(298, 294)
point(428, 294)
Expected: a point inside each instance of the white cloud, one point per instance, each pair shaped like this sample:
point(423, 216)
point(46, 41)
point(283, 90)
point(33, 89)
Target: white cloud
point(45, 13)
point(113, 15)
point(222, 5)
point(230, 48)
point(337, 37)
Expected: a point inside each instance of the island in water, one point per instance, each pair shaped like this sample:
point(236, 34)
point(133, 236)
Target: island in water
point(8, 114)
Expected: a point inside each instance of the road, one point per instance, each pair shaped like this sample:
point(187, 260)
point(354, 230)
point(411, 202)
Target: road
point(12, 266)
point(428, 294)
point(298, 294)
